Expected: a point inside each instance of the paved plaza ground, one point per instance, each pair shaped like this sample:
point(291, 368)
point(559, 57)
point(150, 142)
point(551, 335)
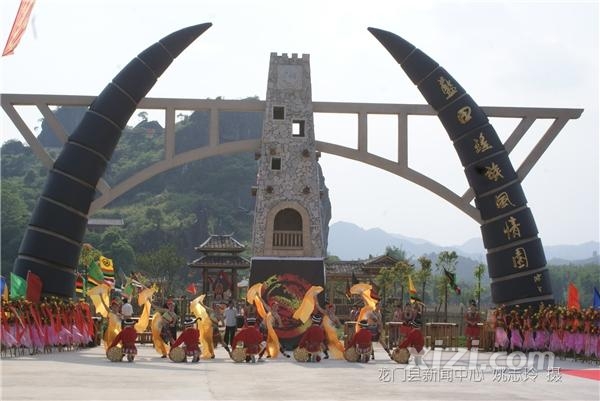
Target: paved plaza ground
point(87, 375)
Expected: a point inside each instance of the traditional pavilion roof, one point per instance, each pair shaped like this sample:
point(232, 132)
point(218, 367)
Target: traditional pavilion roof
point(221, 243)
point(220, 252)
point(220, 262)
point(360, 268)
point(380, 261)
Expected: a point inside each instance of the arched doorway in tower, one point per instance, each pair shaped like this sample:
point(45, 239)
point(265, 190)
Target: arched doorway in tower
point(287, 230)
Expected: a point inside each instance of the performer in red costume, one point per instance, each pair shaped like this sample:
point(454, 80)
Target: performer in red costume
point(251, 338)
point(362, 341)
point(189, 337)
point(414, 339)
point(127, 336)
point(313, 339)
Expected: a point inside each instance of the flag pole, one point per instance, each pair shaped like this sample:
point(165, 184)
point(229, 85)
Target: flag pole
point(85, 282)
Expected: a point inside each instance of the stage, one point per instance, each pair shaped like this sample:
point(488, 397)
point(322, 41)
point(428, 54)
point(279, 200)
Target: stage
point(87, 375)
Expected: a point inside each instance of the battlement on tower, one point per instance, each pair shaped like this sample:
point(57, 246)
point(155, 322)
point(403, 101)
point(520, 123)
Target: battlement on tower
point(285, 56)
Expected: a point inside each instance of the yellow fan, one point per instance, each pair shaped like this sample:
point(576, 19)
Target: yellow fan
point(144, 298)
point(308, 303)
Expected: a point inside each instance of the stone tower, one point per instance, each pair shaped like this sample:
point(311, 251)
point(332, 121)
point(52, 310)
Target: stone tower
point(287, 242)
point(287, 220)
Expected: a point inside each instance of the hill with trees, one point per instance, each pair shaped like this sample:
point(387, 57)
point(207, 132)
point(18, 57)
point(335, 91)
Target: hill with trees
point(170, 213)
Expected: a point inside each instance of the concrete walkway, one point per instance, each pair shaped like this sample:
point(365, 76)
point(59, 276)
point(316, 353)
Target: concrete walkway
point(88, 375)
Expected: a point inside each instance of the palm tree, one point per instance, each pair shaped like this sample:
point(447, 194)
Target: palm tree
point(424, 274)
point(478, 273)
point(404, 270)
point(446, 262)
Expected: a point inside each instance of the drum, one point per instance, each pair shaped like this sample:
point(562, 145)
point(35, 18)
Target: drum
point(238, 355)
point(114, 354)
point(351, 355)
point(400, 355)
point(301, 354)
point(177, 354)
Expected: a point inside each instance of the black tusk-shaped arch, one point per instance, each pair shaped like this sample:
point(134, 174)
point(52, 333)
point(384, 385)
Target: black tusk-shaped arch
point(515, 256)
point(52, 242)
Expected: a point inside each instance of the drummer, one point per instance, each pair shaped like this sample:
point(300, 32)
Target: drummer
point(375, 325)
point(251, 338)
point(128, 337)
point(190, 337)
point(362, 341)
point(414, 341)
point(313, 339)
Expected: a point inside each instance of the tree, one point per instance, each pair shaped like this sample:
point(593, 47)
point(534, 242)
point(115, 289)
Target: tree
point(405, 269)
point(446, 262)
point(155, 215)
point(14, 222)
point(13, 147)
point(117, 248)
point(395, 252)
point(143, 115)
point(386, 280)
point(163, 266)
point(478, 273)
point(424, 274)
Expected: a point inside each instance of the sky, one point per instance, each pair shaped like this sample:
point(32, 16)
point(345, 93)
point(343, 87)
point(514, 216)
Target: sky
point(526, 54)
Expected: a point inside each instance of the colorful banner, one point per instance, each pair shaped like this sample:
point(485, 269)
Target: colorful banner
point(191, 288)
point(18, 286)
point(33, 292)
point(106, 265)
point(411, 286)
point(3, 288)
point(573, 297)
point(95, 275)
point(19, 26)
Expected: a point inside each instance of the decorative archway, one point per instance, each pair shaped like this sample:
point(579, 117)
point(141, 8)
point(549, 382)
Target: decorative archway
point(51, 245)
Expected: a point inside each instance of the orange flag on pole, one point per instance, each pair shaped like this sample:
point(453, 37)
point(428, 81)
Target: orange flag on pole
point(19, 26)
point(411, 287)
point(573, 297)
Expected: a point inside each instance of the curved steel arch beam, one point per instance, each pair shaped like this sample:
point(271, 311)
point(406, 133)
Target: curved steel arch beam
point(516, 260)
point(52, 242)
point(407, 173)
point(248, 145)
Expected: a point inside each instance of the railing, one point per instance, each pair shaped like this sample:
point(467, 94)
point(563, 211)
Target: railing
point(287, 239)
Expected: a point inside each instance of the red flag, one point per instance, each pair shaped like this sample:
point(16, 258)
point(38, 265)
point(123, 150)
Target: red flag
point(191, 288)
point(573, 297)
point(19, 26)
point(34, 287)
